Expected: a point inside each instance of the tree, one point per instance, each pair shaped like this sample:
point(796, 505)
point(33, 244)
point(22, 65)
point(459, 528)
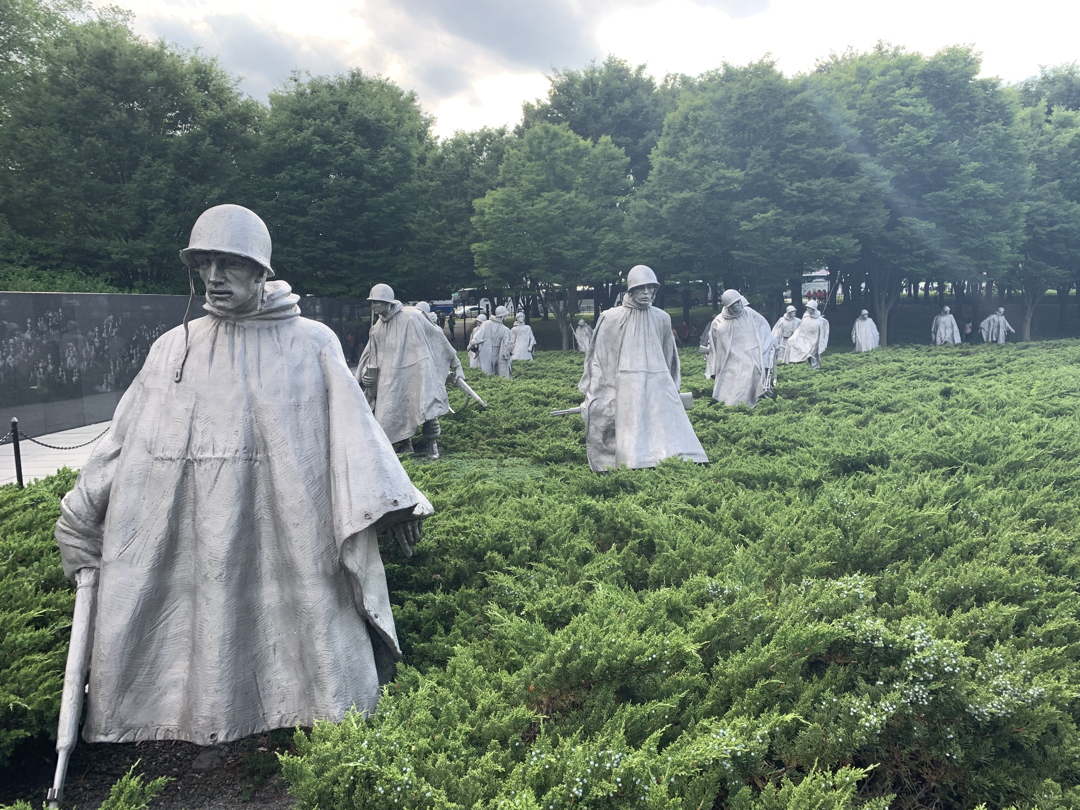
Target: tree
point(610, 99)
point(751, 185)
point(112, 147)
point(554, 221)
point(28, 27)
point(1050, 251)
point(943, 156)
point(1054, 87)
point(463, 169)
point(340, 180)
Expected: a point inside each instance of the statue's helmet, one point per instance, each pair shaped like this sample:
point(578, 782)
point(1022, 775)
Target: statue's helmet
point(230, 229)
point(945, 310)
point(501, 312)
point(520, 317)
point(790, 308)
point(812, 304)
point(381, 292)
point(1001, 310)
point(730, 297)
point(423, 306)
point(864, 312)
point(481, 318)
point(639, 276)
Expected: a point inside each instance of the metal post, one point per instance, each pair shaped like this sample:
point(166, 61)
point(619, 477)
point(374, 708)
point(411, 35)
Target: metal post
point(18, 455)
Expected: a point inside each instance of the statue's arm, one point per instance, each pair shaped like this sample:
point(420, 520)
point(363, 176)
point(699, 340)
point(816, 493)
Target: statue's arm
point(455, 367)
point(80, 529)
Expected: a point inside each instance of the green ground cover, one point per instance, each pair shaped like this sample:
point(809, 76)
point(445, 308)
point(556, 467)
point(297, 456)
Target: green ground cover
point(868, 598)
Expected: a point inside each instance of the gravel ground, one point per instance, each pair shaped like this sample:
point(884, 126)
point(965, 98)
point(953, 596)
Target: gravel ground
point(247, 778)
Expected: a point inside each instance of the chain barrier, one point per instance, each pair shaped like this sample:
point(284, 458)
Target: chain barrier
point(6, 439)
point(54, 447)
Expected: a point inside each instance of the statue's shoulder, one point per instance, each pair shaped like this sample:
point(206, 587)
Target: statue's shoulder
point(315, 331)
point(659, 315)
point(613, 315)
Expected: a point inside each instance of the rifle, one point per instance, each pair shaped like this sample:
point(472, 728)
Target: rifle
point(567, 412)
point(460, 383)
point(686, 397)
point(78, 665)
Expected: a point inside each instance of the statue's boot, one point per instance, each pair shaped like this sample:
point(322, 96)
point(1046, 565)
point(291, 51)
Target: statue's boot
point(432, 431)
point(406, 447)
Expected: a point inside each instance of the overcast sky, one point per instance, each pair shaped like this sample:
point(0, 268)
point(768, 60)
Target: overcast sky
point(473, 62)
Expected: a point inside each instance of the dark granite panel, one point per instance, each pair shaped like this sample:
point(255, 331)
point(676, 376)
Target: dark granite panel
point(66, 358)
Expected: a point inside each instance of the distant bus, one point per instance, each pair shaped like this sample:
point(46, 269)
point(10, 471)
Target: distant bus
point(445, 306)
point(814, 283)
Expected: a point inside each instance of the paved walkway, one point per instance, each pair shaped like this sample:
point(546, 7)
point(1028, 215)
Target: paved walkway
point(39, 462)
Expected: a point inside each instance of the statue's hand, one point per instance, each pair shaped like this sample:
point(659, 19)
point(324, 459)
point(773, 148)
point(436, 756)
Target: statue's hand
point(368, 379)
point(407, 533)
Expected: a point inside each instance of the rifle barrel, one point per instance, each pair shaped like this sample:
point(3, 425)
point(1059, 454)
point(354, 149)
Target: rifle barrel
point(78, 663)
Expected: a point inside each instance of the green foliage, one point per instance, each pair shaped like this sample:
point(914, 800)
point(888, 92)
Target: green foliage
point(611, 99)
point(552, 223)
point(131, 794)
point(36, 603)
point(869, 593)
point(753, 184)
point(887, 167)
point(339, 178)
point(1051, 244)
point(945, 157)
point(1056, 87)
point(464, 168)
point(112, 147)
point(866, 599)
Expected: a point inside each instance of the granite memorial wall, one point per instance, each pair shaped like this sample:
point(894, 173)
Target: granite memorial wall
point(67, 358)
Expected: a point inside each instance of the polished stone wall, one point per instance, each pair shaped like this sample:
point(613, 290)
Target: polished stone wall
point(66, 358)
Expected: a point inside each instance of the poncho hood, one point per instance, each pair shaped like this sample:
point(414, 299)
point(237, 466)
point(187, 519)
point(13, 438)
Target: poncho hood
point(280, 302)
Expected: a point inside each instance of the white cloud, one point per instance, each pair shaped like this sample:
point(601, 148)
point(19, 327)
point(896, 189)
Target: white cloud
point(473, 63)
point(680, 36)
point(494, 101)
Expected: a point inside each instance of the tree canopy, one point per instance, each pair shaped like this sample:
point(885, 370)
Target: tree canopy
point(613, 99)
point(890, 169)
point(553, 222)
point(112, 147)
point(338, 173)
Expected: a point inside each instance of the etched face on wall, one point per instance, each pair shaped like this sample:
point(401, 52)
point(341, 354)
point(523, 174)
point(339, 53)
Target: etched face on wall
point(232, 282)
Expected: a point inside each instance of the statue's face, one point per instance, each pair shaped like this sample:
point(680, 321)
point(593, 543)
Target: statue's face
point(863, 316)
point(232, 282)
point(735, 307)
point(792, 315)
point(381, 309)
point(643, 296)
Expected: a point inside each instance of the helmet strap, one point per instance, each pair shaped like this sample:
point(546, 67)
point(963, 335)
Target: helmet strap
point(179, 373)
